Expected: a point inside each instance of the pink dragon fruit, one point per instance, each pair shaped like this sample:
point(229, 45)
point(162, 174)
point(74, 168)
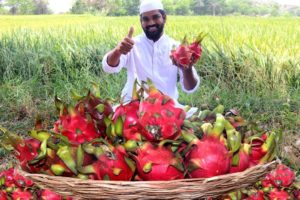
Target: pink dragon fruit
point(73, 125)
point(282, 176)
point(186, 53)
point(207, 158)
point(113, 162)
point(49, 195)
point(128, 112)
point(159, 117)
point(276, 194)
point(20, 194)
point(262, 148)
point(158, 163)
point(243, 161)
point(259, 195)
point(3, 195)
point(183, 54)
point(196, 48)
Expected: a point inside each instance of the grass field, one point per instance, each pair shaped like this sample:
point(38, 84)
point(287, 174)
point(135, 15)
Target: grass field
point(249, 63)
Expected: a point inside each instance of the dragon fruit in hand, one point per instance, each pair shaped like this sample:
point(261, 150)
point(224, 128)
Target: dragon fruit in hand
point(185, 53)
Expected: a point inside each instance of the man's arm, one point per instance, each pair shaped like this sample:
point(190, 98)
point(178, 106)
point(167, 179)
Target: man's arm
point(124, 47)
point(189, 80)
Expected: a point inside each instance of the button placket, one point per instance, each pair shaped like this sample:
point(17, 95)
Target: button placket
point(155, 57)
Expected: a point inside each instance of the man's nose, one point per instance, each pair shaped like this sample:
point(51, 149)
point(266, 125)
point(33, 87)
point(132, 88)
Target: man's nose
point(151, 22)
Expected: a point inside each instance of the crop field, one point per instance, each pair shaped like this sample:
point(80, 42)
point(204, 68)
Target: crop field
point(250, 63)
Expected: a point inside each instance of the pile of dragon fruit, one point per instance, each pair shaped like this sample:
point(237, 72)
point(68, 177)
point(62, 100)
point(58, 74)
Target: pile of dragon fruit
point(147, 139)
point(17, 187)
point(279, 184)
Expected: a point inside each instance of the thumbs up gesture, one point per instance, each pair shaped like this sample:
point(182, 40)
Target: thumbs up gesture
point(127, 43)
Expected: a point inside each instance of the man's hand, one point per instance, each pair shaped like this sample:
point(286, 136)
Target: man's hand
point(189, 80)
point(127, 43)
point(124, 47)
point(184, 68)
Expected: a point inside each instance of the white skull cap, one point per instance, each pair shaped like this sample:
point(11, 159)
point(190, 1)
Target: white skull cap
point(149, 5)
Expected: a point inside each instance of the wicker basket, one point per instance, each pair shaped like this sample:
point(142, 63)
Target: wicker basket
point(177, 189)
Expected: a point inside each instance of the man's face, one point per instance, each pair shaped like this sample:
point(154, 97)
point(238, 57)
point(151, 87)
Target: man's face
point(153, 24)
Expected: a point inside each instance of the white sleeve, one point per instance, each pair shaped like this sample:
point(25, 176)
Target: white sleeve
point(108, 69)
point(196, 77)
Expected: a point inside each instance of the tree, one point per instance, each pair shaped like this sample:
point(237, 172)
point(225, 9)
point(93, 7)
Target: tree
point(2, 10)
point(197, 6)
point(41, 7)
point(20, 6)
point(169, 6)
point(182, 7)
point(216, 6)
point(116, 8)
point(297, 12)
point(132, 7)
point(79, 7)
point(274, 9)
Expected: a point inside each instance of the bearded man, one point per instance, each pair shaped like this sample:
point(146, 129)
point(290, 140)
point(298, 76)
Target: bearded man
point(148, 56)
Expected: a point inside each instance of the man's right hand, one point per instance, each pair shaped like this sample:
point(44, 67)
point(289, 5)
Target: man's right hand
point(124, 47)
point(127, 43)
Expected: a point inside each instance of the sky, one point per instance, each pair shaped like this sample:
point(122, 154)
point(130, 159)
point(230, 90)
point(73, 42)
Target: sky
point(58, 6)
point(289, 2)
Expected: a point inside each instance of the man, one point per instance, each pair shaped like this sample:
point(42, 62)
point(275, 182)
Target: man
point(148, 56)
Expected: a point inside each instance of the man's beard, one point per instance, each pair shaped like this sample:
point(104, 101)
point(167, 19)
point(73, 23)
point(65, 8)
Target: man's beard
point(156, 34)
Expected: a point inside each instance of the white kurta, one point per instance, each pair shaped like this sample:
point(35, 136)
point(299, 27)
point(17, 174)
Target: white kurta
point(149, 59)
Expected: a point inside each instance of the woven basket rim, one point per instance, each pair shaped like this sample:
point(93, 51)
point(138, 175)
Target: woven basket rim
point(27, 174)
point(193, 188)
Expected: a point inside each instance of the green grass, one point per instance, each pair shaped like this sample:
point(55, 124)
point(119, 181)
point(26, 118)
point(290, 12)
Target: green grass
point(248, 62)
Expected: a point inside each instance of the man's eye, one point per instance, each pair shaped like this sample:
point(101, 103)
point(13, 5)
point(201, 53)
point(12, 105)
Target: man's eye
point(156, 17)
point(145, 19)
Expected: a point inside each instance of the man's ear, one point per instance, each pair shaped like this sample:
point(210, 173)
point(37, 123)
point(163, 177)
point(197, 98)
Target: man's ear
point(164, 17)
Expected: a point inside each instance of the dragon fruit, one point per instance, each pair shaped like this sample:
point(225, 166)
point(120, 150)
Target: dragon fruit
point(13, 179)
point(262, 148)
point(282, 176)
point(159, 117)
point(276, 194)
point(20, 194)
point(94, 106)
point(243, 161)
point(49, 195)
point(265, 182)
point(183, 54)
point(259, 195)
point(186, 53)
point(296, 194)
point(75, 126)
point(26, 150)
point(196, 48)
point(207, 158)
point(21, 181)
point(129, 112)
point(15, 186)
point(123, 125)
point(158, 163)
point(3, 195)
point(113, 162)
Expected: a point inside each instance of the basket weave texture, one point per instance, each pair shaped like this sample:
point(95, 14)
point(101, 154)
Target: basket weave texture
point(177, 189)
